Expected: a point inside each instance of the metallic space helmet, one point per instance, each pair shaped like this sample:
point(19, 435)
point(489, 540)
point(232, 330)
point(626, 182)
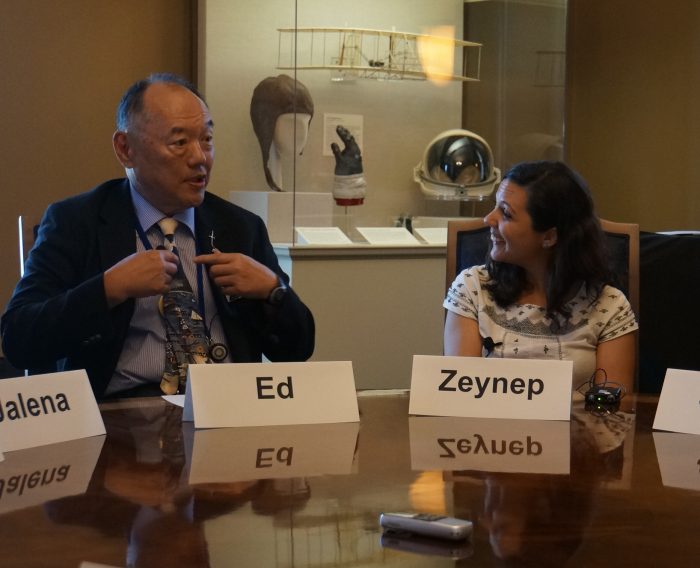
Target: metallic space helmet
point(457, 165)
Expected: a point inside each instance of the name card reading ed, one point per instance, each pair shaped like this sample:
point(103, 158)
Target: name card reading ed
point(270, 394)
point(491, 388)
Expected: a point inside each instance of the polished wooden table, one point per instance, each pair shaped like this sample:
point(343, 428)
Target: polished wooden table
point(601, 490)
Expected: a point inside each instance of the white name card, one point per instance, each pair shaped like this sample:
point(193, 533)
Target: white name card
point(322, 236)
point(679, 403)
point(388, 236)
point(482, 444)
point(677, 455)
point(272, 452)
point(46, 409)
point(270, 394)
point(36, 475)
point(491, 388)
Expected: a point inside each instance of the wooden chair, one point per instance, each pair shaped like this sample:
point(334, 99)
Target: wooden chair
point(468, 244)
point(623, 249)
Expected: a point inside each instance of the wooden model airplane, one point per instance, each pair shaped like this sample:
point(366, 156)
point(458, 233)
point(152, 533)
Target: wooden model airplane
point(377, 54)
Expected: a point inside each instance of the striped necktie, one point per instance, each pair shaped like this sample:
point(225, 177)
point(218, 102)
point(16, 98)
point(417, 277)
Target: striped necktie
point(186, 338)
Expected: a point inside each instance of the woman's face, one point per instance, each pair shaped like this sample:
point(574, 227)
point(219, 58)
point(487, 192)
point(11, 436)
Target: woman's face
point(513, 239)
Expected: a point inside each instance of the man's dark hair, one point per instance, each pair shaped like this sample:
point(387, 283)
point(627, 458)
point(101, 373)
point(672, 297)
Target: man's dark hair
point(131, 102)
point(556, 197)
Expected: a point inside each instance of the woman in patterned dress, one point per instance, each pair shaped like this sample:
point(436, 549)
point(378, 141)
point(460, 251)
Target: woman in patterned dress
point(545, 291)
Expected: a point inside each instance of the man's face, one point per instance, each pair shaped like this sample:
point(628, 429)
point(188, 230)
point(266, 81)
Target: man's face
point(168, 150)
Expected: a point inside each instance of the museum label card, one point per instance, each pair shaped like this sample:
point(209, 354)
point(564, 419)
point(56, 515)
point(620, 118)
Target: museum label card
point(480, 387)
point(46, 409)
point(272, 452)
point(387, 236)
point(432, 235)
point(679, 403)
point(322, 236)
point(33, 476)
point(269, 394)
point(485, 444)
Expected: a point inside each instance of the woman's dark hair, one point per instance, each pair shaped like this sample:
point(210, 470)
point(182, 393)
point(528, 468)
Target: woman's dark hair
point(556, 197)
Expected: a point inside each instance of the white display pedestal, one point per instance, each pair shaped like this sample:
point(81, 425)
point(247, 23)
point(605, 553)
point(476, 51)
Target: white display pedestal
point(375, 306)
point(281, 214)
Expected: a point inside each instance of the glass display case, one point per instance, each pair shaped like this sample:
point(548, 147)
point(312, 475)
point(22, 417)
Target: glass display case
point(395, 75)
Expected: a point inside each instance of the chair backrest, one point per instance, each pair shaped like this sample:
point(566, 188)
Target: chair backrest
point(623, 251)
point(468, 244)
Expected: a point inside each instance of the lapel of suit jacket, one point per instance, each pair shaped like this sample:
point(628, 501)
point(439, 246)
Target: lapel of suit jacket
point(116, 230)
point(116, 234)
point(232, 316)
point(204, 227)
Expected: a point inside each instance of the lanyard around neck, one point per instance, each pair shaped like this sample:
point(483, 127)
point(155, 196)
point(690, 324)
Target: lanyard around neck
point(200, 271)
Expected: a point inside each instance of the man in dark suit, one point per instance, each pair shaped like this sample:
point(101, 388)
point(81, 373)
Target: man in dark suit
point(93, 281)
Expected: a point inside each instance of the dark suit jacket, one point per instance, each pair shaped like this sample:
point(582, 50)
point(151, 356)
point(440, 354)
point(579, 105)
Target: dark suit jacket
point(58, 318)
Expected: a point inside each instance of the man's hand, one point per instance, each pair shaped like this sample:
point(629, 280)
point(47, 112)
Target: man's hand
point(349, 161)
point(239, 275)
point(140, 275)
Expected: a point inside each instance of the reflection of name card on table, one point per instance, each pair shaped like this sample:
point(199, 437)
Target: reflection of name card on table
point(482, 444)
point(432, 235)
point(268, 452)
point(491, 388)
point(678, 455)
point(322, 236)
point(679, 402)
point(269, 394)
point(34, 476)
point(46, 409)
point(387, 236)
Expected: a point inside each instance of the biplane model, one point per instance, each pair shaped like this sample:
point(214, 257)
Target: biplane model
point(378, 54)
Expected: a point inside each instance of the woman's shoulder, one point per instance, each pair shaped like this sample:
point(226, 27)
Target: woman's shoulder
point(612, 298)
point(611, 295)
point(477, 273)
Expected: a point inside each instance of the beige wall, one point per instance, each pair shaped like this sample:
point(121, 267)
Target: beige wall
point(633, 117)
point(63, 67)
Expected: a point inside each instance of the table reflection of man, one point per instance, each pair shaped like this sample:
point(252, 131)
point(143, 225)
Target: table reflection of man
point(139, 494)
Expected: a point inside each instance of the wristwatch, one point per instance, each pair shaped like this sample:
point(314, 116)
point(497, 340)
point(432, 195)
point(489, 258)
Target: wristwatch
point(277, 294)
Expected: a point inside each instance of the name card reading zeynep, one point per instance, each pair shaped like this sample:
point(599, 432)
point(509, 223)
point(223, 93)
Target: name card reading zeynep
point(270, 394)
point(491, 388)
point(46, 409)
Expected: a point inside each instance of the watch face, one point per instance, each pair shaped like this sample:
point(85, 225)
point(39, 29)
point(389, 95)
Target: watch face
point(277, 295)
